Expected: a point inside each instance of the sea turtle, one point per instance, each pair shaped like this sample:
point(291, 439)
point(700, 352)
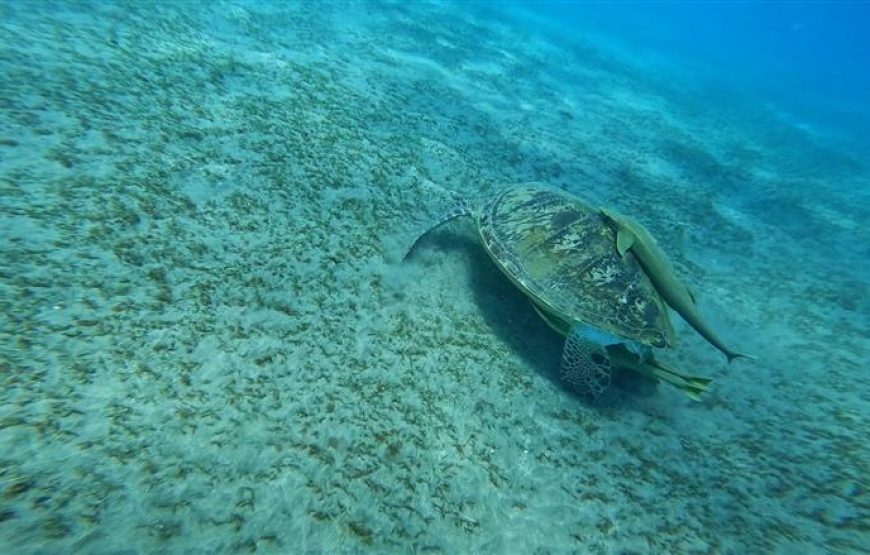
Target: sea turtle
point(561, 253)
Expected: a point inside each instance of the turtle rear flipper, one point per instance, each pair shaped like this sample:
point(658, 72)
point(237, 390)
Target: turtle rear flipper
point(585, 364)
point(462, 207)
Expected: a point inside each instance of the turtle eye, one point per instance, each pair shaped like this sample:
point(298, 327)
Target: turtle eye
point(599, 359)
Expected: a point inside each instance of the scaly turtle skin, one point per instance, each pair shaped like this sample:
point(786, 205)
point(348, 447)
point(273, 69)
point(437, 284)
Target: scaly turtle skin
point(562, 254)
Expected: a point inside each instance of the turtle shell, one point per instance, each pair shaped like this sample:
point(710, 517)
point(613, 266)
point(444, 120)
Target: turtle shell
point(560, 252)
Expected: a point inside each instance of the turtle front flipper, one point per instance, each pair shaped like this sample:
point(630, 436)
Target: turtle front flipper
point(585, 364)
point(463, 207)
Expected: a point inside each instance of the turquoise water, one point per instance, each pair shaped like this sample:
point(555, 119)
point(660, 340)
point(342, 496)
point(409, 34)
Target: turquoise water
point(209, 341)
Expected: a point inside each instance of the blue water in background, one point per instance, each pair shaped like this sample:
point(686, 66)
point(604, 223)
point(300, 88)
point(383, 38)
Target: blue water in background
point(810, 57)
point(806, 62)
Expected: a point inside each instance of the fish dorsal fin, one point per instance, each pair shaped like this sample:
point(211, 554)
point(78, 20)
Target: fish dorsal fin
point(624, 240)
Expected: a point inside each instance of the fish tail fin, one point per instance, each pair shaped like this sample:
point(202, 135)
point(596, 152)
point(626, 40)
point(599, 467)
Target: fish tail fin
point(692, 386)
point(732, 355)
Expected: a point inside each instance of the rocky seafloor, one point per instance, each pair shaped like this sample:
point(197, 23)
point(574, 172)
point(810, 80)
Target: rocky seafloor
point(209, 342)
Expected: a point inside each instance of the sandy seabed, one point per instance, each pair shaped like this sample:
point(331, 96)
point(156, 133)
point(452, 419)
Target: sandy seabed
point(209, 343)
